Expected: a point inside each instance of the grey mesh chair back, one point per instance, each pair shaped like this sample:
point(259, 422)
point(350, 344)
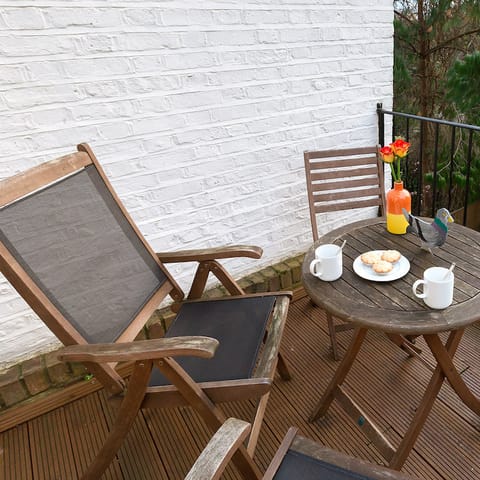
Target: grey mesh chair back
point(71, 250)
point(342, 180)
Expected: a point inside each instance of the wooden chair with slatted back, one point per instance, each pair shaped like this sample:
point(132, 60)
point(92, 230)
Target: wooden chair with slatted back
point(339, 180)
point(71, 250)
point(296, 458)
point(343, 180)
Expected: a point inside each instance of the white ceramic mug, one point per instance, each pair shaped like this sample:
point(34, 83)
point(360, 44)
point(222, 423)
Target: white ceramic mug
point(327, 264)
point(437, 287)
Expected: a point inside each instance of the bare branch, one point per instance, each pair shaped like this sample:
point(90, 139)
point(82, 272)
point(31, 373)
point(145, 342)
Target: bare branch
point(446, 43)
point(403, 16)
point(408, 44)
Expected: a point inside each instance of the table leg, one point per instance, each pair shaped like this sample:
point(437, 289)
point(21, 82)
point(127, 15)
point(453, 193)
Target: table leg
point(444, 359)
point(423, 410)
point(340, 374)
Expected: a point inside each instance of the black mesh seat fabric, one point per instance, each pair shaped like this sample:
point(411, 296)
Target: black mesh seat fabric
point(238, 324)
point(297, 465)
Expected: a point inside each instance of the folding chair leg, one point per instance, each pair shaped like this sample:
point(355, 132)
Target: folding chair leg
point(332, 332)
point(333, 336)
point(282, 368)
point(405, 344)
point(125, 417)
point(257, 423)
point(340, 374)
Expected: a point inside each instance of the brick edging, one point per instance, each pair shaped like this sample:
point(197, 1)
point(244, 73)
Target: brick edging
point(39, 375)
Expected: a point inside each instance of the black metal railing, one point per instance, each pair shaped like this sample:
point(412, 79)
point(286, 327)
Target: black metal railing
point(443, 166)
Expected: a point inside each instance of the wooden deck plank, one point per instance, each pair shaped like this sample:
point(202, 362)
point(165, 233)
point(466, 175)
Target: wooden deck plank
point(88, 428)
point(15, 454)
point(173, 438)
point(164, 443)
point(52, 454)
point(138, 456)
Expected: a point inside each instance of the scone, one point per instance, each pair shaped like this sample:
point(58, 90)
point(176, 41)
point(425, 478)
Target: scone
point(369, 258)
point(382, 267)
point(391, 256)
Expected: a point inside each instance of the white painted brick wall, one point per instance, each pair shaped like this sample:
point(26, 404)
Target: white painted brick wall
point(199, 111)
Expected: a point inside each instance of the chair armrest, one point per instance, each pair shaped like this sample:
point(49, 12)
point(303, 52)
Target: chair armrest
point(141, 350)
point(206, 254)
point(268, 360)
point(219, 450)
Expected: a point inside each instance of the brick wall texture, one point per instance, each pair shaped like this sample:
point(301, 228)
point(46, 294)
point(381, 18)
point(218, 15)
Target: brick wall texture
point(199, 112)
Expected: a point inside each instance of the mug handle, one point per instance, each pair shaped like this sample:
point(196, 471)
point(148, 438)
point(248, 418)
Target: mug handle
point(415, 286)
point(313, 264)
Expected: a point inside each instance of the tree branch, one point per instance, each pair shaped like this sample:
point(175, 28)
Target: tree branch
point(402, 15)
point(450, 40)
point(407, 43)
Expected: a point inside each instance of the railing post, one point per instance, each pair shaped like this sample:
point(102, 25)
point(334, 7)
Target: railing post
point(435, 170)
point(381, 125)
point(467, 182)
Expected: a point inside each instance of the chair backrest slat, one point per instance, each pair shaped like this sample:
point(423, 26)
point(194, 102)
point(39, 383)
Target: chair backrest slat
point(336, 207)
point(345, 162)
point(338, 175)
point(354, 194)
point(346, 152)
point(343, 179)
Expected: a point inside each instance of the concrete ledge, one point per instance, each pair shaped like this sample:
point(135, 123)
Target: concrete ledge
point(38, 376)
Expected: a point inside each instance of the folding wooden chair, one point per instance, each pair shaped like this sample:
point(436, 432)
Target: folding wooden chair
point(71, 250)
point(342, 180)
point(296, 458)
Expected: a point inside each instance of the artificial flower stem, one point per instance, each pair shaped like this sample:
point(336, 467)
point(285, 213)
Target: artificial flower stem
point(392, 171)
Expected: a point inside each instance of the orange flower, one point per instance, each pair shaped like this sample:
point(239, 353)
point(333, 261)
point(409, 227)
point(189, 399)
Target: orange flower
point(387, 154)
point(393, 154)
point(400, 147)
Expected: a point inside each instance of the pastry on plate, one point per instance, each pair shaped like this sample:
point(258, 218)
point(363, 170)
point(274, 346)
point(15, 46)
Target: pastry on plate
point(382, 267)
point(369, 258)
point(391, 256)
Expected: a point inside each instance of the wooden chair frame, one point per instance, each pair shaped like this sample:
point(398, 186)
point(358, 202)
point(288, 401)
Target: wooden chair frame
point(101, 359)
point(216, 455)
point(360, 174)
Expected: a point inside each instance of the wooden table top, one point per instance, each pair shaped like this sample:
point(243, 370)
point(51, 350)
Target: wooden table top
point(392, 306)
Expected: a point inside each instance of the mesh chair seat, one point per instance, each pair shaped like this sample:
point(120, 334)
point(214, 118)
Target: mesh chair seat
point(299, 465)
point(238, 324)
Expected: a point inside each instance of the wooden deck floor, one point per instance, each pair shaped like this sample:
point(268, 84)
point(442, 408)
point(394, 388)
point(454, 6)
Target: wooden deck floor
point(165, 443)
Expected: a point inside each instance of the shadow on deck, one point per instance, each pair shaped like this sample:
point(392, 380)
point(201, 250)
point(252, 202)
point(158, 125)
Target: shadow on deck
point(165, 443)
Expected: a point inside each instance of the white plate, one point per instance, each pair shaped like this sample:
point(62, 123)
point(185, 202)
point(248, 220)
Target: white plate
point(399, 270)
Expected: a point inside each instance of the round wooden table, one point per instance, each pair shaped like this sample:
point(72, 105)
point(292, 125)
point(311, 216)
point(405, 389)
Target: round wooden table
point(391, 307)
